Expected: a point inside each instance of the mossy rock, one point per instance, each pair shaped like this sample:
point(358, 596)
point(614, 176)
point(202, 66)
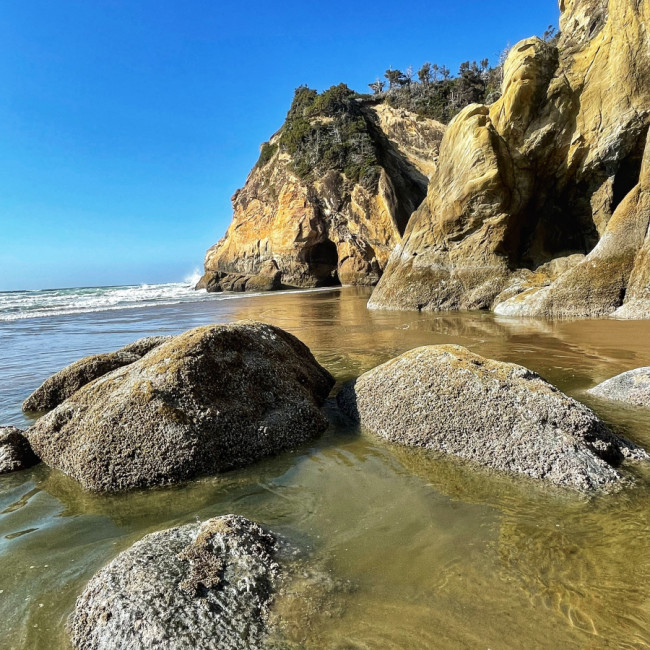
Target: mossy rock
point(211, 399)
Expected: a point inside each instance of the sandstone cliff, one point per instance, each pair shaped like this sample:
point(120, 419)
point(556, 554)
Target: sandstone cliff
point(329, 198)
point(539, 204)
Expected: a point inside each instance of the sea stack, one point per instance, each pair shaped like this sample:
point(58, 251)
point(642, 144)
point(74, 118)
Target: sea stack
point(329, 197)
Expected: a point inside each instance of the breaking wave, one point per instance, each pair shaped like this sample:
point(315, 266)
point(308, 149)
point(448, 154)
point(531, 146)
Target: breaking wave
point(16, 305)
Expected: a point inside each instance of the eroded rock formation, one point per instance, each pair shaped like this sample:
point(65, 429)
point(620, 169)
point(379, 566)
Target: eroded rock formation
point(328, 199)
point(539, 204)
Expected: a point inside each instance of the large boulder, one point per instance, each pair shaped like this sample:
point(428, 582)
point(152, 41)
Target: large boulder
point(206, 585)
point(500, 415)
point(632, 387)
point(15, 452)
point(208, 400)
point(68, 381)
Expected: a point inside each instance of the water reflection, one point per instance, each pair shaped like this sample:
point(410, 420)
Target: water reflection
point(403, 548)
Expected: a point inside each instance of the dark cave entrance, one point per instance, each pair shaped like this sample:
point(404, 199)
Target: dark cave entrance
point(628, 173)
point(323, 260)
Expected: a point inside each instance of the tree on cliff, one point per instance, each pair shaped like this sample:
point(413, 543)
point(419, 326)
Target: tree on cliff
point(424, 73)
point(395, 78)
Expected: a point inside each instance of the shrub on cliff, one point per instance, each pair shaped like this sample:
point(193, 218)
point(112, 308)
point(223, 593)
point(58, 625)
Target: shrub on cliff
point(266, 153)
point(330, 132)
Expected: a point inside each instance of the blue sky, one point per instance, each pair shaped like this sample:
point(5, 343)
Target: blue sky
point(126, 125)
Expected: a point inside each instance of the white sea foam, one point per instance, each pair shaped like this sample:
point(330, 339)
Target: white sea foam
point(193, 277)
point(16, 305)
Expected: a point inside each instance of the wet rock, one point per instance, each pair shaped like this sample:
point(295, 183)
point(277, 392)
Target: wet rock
point(68, 381)
point(15, 452)
point(500, 415)
point(632, 387)
point(209, 400)
point(269, 278)
point(206, 585)
point(145, 345)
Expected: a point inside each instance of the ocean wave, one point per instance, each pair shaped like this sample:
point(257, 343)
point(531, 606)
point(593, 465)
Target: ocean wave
point(16, 305)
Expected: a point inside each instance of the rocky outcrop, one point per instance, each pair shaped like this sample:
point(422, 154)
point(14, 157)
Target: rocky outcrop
point(68, 381)
point(499, 415)
point(632, 387)
point(416, 138)
point(206, 585)
point(328, 199)
point(612, 279)
point(269, 278)
point(15, 452)
point(552, 170)
point(206, 401)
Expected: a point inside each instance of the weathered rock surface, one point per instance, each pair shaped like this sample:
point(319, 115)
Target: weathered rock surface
point(269, 278)
point(206, 585)
point(68, 381)
point(15, 452)
point(500, 415)
point(327, 227)
point(632, 387)
point(555, 168)
point(208, 400)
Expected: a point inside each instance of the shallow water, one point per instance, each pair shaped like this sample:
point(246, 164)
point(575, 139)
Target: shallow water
point(423, 551)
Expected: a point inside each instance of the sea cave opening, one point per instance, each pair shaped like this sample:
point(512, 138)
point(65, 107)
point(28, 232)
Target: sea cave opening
point(323, 259)
point(628, 173)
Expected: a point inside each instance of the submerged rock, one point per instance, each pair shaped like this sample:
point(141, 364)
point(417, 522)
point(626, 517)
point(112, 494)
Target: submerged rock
point(15, 452)
point(68, 381)
point(632, 387)
point(500, 415)
point(206, 585)
point(208, 400)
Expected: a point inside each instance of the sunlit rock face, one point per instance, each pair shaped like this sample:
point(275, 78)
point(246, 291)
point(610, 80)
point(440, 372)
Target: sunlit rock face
point(327, 228)
point(539, 204)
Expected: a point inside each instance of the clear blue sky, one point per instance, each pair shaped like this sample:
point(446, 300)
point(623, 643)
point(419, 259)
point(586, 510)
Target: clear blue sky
point(126, 125)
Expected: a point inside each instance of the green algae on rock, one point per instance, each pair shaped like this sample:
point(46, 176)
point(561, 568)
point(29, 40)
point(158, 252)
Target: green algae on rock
point(206, 585)
point(211, 399)
point(68, 381)
point(500, 415)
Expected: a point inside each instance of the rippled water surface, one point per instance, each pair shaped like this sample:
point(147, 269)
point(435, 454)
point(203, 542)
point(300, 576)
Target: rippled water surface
point(421, 551)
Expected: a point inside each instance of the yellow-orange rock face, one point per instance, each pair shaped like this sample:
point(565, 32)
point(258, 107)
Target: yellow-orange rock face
point(547, 174)
point(329, 230)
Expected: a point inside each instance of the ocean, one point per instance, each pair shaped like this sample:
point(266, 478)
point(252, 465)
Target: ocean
point(409, 549)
